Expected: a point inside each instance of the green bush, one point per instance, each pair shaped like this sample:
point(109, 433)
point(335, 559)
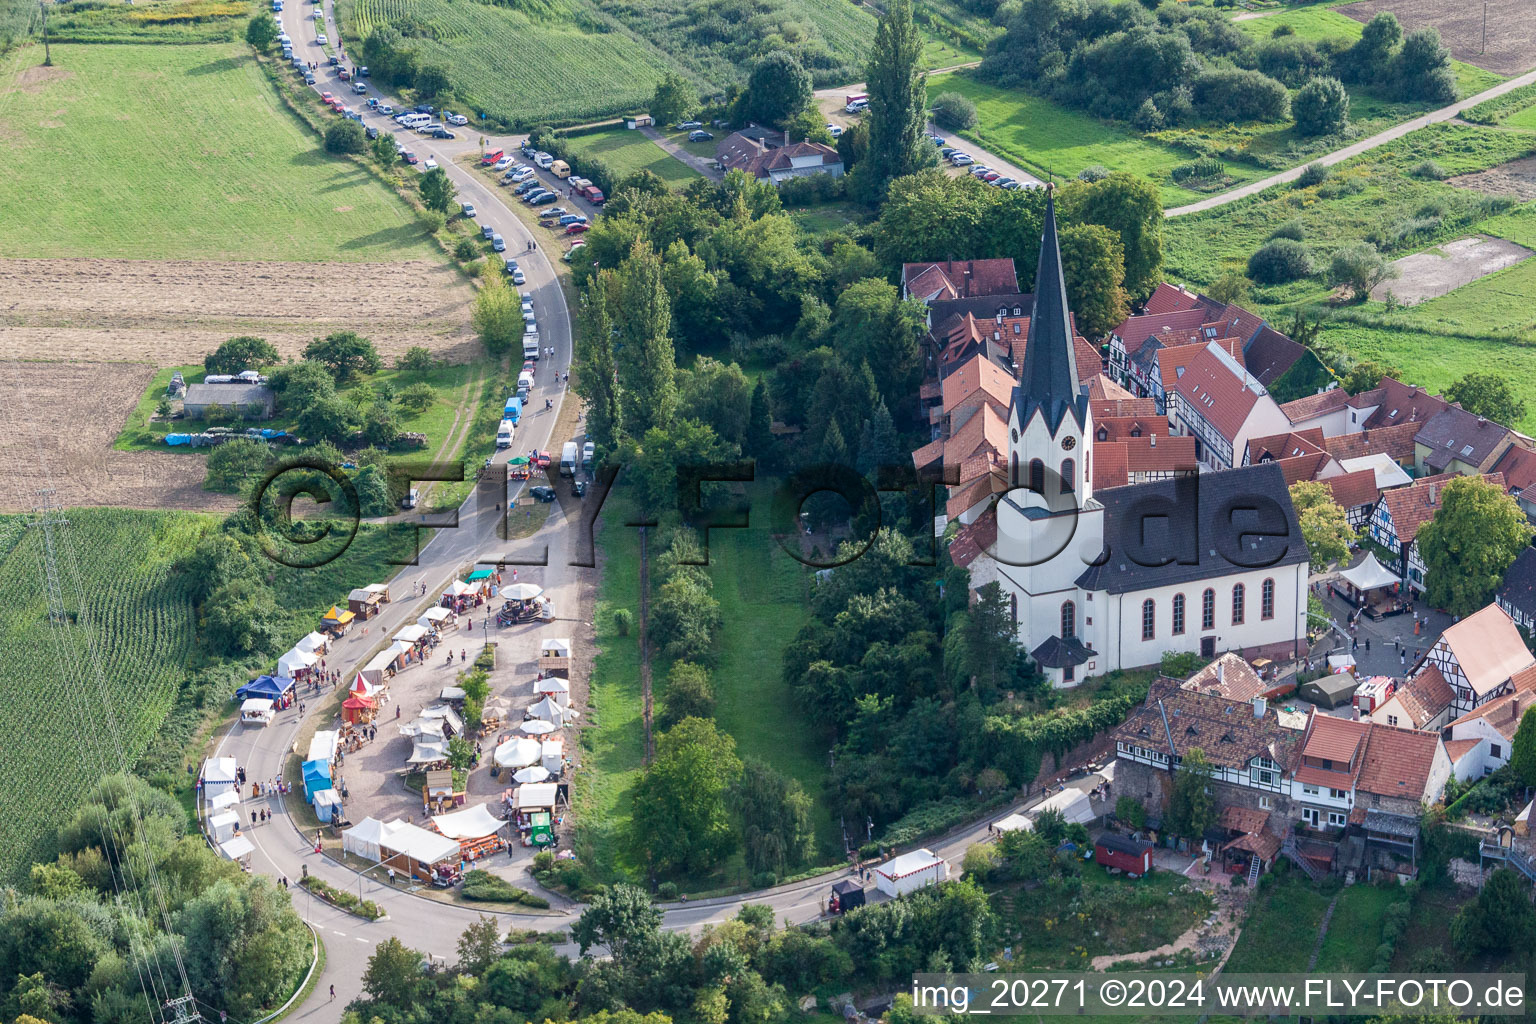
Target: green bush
point(1203, 169)
point(480, 884)
point(764, 880)
point(1428, 169)
point(543, 860)
point(345, 136)
point(1292, 229)
point(1093, 172)
point(1312, 174)
point(666, 891)
point(465, 249)
point(623, 621)
point(954, 111)
point(1279, 261)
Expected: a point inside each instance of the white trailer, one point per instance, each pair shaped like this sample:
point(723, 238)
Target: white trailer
point(909, 872)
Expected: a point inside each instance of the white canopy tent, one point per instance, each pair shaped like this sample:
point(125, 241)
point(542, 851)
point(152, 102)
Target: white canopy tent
point(444, 713)
point(313, 643)
point(237, 849)
point(428, 752)
point(1013, 823)
point(363, 839)
point(521, 591)
point(1370, 574)
point(452, 693)
point(324, 745)
point(257, 711)
point(424, 729)
point(558, 646)
point(412, 633)
point(418, 844)
point(224, 801)
point(222, 826)
point(553, 710)
point(472, 823)
point(219, 774)
point(551, 684)
point(533, 773)
point(458, 588)
point(1073, 804)
point(295, 661)
point(518, 753)
point(382, 589)
point(537, 727)
point(538, 796)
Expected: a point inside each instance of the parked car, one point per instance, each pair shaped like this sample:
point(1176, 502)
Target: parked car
point(431, 164)
point(536, 193)
point(522, 174)
point(423, 108)
point(309, 79)
point(511, 267)
point(979, 170)
point(371, 132)
point(443, 133)
point(344, 75)
point(386, 110)
point(524, 187)
point(334, 61)
point(486, 231)
point(946, 151)
point(542, 493)
point(547, 197)
point(835, 130)
point(469, 211)
point(577, 228)
point(572, 218)
point(527, 304)
point(321, 39)
point(700, 136)
point(961, 159)
point(409, 157)
point(579, 488)
point(360, 88)
point(428, 128)
point(518, 277)
point(498, 244)
point(457, 119)
point(363, 71)
point(327, 97)
point(502, 164)
point(684, 126)
point(991, 176)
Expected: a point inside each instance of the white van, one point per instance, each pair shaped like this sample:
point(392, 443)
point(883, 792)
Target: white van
point(530, 346)
point(543, 160)
point(416, 120)
point(568, 459)
point(411, 498)
point(524, 383)
point(504, 434)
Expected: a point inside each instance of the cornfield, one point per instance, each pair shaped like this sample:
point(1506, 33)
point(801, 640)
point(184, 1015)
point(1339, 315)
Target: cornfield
point(140, 620)
point(517, 67)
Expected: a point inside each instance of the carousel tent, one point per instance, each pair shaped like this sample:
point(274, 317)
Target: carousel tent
point(365, 838)
point(265, 686)
point(237, 849)
point(518, 753)
point(323, 747)
point(361, 687)
point(536, 796)
point(312, 643)
point(538, 727)
point(220, 774)
point(1370, 574)
point(295, 661)
point(473, 823)
point(412, 633)
point(356, 707)
point(533, 773)
point(521, 591)
point(327, 804)
point(224, 801)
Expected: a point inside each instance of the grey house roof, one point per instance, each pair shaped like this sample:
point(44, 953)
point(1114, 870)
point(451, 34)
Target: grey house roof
point(233, 395)
point(1197, 528)
point(1519, 587)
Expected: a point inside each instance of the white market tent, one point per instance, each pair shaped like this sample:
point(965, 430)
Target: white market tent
point(533, 773)
point(382, 589)
point(237, 849)
point(551, 754)
point(417, 844)
point(452, 693)
point(458, 588)
point(363, 839)
point(412, 633)
point(222, 826)
point(423, 729)
point(537, 727)
point(257, 710)
point(1370, 574)
point(522, 591)
point(1072, 803)
point(539, 796)
point(472, 823)
point(554, 711)
point(219, 774)
point(1014, 823)
point(446, 714)
point(313, 643)
point(327, 803)
point(518, 753)
point(295, 661)
point(323, 746)
point(428, 752)
point(551, 684)
point(435, 615)
point(560, 647)
point(224, 801)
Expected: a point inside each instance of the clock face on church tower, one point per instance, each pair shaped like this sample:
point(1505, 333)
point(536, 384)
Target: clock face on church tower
point(1068, 443)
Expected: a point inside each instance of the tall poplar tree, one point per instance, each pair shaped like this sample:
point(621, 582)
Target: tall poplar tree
point(646, 359)
point(898, 104)
point(596, 375)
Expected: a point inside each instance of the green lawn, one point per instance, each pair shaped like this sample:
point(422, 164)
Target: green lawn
point(1355, 930)
point(1044, 137)
point(1522, 119)
point(1281, 928)
point(181, 152)
point(626, 152)
point(826, 217)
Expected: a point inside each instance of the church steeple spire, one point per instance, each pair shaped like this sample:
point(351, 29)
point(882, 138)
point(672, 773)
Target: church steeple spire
point(1049, 382)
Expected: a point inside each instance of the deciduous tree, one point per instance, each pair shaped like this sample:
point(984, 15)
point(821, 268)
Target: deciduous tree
point(775, 815)
point(778, 89)
point(437, 191)
point(236, 463)
point(1489, 395)
point(1324, 525)
point(1499, 920)
point(1321, 107)
point(681, 820)
point(1522, 752)
point(261, 33)
point(674, 99)
point(346, 354)
point(498, 314)
point(1093, 263)
point(345, 136)
point(1191, 809)
point(689, 693)
point(594, 367)
point(1360, 268)
point(1471, 541)
point(393, 972)
point(240, 354)
point(645, 357)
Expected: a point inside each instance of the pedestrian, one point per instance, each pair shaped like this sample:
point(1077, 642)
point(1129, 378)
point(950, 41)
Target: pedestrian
point(1355, 644)
point(397, 711)
point(1367, 645)
point(333, 993)
point(391, 876)
point(1402, 659)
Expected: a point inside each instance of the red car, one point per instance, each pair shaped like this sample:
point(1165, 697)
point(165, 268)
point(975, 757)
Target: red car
point(529, 366)
point(539, 459)
point(577, 228)
point(490, 158)
point(408, 157)
point(991, 176)
point(326, 97)
point(344, 74)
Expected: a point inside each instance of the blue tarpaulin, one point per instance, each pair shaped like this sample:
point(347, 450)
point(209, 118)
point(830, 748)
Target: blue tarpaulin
point(174, 439)
point(265, 686)
point(317, 776)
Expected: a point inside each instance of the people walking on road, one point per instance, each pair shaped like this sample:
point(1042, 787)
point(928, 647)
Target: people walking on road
point(333, 993)
point(391, 876)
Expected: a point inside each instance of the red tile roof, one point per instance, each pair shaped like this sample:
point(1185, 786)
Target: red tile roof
point(1351, 490)
point(1112, 407)
point(1090, 362)
point(973, 539)
point(960, 279)
point(1395, 442)
point(1135, 330)
point(1403, 403)
point(1153, 454)
point(1288, 445)
point(1458, 749)
point(1519, 468)
point(1303, 409)
point(1224, 397)
point(1425, 696)
point(1334, 739)
point(1413, 506)
point(974, 491)
point(1167, 297)
point(1230, 676)
point(1118, 428)
point(980, 378)
point(1103, 389)
point(1111, 465)
point(1502, 713)
point(1398, 762)
point(1488, 647)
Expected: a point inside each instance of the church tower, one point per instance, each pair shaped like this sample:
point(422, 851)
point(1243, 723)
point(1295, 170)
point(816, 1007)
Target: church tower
point(1049, 526)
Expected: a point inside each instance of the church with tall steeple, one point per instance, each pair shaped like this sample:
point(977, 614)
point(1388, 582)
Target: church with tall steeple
point(1205, 563)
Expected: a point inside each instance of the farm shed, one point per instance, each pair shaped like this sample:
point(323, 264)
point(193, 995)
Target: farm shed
point(910, 872)
point(1129, 855)
point(248, 401)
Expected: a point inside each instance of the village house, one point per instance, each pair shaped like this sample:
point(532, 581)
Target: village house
point(960, 279)
point(1517, 592)
point(1479, 658)
point(1222, 405)
point(1393, 443)
point(1518, 467)
point(1479, 742)
point(1327, 411)
point(1423, 702)
point(770, 156)
point(1399, 516)
point(1456, 441)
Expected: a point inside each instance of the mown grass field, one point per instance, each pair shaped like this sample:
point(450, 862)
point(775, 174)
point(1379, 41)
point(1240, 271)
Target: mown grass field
point(1281, 928)
point(179, 152)
point(126, 605)
point(1044, 137)
point(762, 595)
point(626, 152)
point(1354, 932)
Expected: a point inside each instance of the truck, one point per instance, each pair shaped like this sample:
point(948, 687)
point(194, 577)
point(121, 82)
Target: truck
point(504, 434)
point(513, 411)
point(855, 102)
point(568, 459)
point(530, 346)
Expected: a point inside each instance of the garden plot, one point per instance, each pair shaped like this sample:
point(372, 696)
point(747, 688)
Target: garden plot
point(1511, 31)
point(1446, 267)
point(1516, 178)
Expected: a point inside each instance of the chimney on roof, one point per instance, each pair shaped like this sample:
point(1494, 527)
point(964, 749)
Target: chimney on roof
point(1430, 497)
point(1153, 442)
point(1481, 420)
point(1260, 706)
point(1221, 671)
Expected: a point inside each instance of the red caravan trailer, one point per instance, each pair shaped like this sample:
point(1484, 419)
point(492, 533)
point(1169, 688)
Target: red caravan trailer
point(1132, 856)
